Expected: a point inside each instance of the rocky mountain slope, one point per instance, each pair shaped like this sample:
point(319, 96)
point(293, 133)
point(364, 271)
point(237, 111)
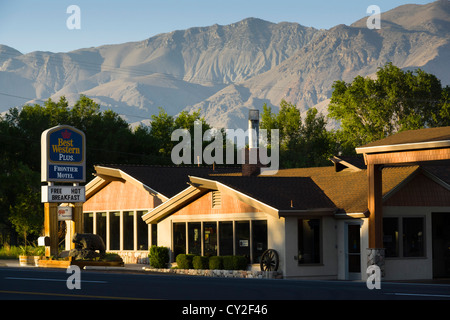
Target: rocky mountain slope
point(224, 70)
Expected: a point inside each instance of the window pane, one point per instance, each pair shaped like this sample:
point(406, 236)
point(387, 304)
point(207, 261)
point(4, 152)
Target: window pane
point(142, 232)
point(194, 238)
point(226, 238)
point(128, 230)
point(242, 238)
point(210, 238)
point(101, 225)
point(390, 236)
point(179, 238)
point(114, 230)
point(308, 241)
point(154, 234)
point(89, 222)
point(413, 237)
point(259, 239)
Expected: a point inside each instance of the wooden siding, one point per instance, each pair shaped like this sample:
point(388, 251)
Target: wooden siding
point(119, 195)
point(203, 205)
point(420, 191)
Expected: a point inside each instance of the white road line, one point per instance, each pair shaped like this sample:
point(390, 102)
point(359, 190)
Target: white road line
point(42, 279)
point(419, 295)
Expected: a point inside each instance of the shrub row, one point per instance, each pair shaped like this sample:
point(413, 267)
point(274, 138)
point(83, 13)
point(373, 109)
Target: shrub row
point(159, 258)
point(190, 261)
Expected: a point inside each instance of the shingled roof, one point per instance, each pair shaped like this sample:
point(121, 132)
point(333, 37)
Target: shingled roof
point(169, 180)
point(314, 188)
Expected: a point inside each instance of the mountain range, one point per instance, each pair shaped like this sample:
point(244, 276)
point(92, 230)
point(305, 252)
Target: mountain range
point(224, 70)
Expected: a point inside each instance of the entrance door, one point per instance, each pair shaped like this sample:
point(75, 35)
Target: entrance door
point(441, 245)
point(353, 252)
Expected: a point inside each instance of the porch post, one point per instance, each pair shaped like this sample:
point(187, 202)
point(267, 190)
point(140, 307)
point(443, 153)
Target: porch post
point(375, 205)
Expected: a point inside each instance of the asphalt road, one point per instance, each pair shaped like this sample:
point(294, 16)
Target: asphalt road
point(33, 283)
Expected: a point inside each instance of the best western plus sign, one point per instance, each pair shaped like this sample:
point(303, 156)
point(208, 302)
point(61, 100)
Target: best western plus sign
point(63, 155)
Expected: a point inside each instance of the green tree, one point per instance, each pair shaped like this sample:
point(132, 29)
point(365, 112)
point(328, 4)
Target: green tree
point(371, 109)
point(302, 144)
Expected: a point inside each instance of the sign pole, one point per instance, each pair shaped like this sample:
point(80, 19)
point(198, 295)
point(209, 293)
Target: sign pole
point(51, 228)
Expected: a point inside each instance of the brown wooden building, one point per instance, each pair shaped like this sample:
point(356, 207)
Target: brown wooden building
point(319, 220)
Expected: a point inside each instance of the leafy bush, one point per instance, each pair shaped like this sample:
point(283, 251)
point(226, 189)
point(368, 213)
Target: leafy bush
point(158, 256)
point(215, 263)
point(200, 262)
point(235, 263)
point(184, 261)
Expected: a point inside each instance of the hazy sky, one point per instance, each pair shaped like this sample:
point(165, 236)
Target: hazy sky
point(30, 25)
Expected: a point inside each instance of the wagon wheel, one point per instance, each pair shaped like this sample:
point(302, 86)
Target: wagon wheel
point(269, 260)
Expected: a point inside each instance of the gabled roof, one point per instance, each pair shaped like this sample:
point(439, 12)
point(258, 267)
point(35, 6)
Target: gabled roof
point(410, 140)
point(166, 181)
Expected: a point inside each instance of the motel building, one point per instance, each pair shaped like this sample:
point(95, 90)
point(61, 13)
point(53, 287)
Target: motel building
point(391, 202)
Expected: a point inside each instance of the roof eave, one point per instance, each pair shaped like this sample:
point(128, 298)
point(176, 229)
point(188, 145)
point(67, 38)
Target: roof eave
point(404, 147)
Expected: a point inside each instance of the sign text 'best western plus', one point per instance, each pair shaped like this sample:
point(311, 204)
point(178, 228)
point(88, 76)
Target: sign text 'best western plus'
point(63, 151)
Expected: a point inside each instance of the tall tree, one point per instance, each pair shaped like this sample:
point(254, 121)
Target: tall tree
point(371, 109)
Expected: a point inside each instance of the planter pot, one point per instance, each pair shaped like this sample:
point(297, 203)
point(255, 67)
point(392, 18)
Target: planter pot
point(26, 261)
point(54, 263)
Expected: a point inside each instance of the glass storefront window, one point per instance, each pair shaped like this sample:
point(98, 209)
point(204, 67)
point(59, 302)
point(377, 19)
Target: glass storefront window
point(128, 230)
point(89, 222)
point(309, 241)
point(154, 234)
point(101, 225)
point(226, 238)
point(259, 239)
point(194, 236)
point(210, 238)
point(142, 232)
point(179, 238)
point(242, 237)
point(413, 237)
point(390, 237)
point(114, 231)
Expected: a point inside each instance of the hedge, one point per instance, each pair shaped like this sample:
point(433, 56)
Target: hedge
point(200, 262)
point(234, 262)
point(191, 261)
point(158, 257)
point(184, 261)
point(215, 263)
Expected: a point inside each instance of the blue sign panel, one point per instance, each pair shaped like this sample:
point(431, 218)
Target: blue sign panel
point(63, 155)
point(66, 146)
point(65, 172)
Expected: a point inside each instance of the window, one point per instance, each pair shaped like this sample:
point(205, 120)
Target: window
point(142, 232)
point(411, 243)
point(114, 231)
point(226, 238)
point(309, 244)
point(179, 238)
point(390, 237)
point(259, 239)
point(154, 234)
point(101, 225)
point(242, 229)
point(128, 230)
point(247, 238)
point(210, 238)
point(413, 240)
point(194, 236)
point(89, 222)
